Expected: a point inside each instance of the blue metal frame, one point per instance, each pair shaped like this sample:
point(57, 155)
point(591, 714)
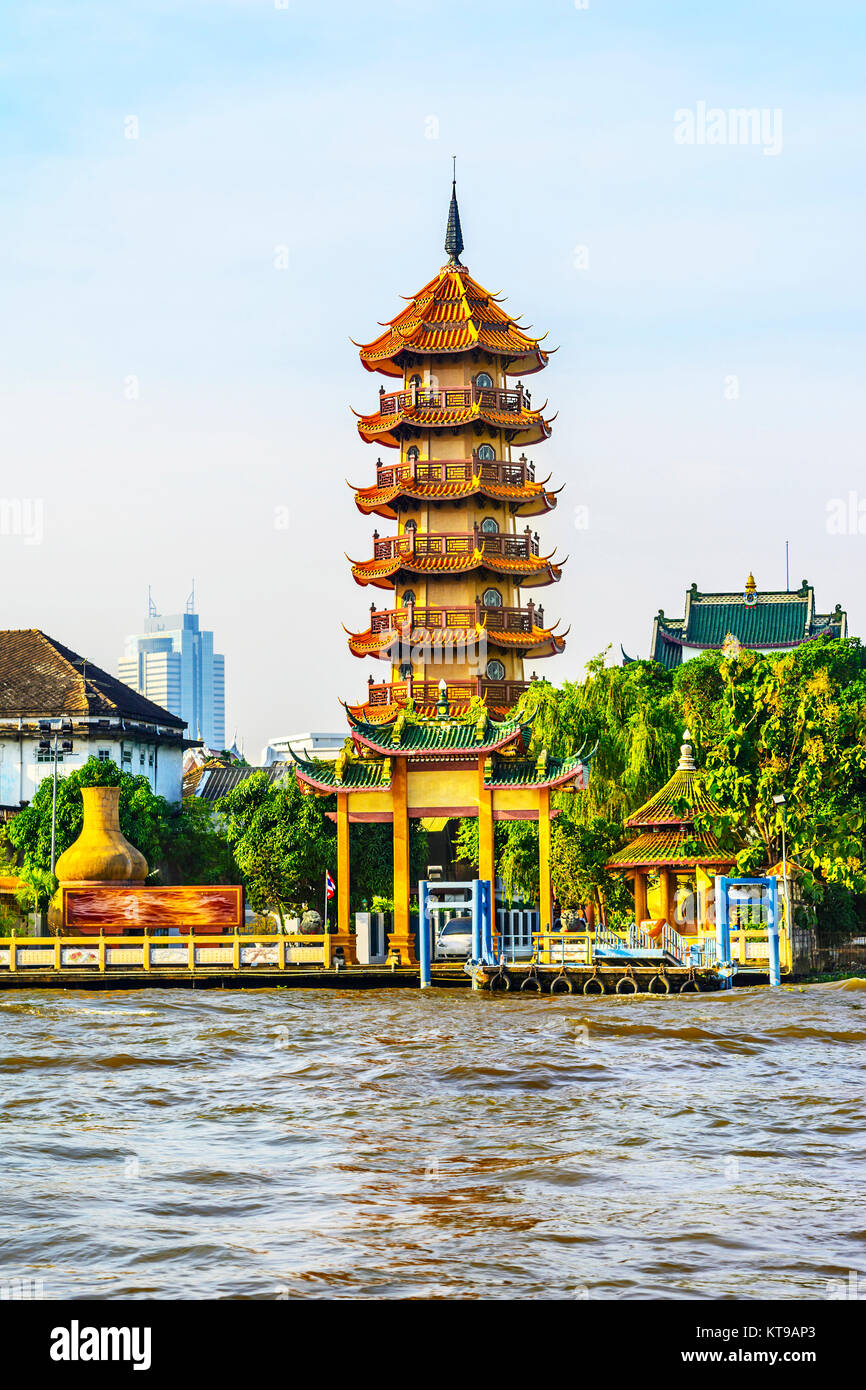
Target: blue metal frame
point(481, 909)
point(723, 927)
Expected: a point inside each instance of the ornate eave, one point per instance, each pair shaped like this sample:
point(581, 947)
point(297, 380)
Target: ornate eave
point(682, 847)
point(533, 499)
point(524, 427)
point(451, 315)
point(532, 571)
point(536, 644)
point(448, 738)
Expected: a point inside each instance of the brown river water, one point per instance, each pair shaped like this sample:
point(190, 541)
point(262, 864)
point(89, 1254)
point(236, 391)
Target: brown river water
point(317, 1143)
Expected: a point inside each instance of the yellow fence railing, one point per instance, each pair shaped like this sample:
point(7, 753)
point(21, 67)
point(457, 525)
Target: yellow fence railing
point(114, 953)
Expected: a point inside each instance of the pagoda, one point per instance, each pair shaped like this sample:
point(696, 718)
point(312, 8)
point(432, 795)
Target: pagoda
point(439, 739)
point(461, 546)
point(668, 845)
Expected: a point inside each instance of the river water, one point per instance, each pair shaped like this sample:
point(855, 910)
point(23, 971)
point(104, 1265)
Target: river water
point(318, 1143)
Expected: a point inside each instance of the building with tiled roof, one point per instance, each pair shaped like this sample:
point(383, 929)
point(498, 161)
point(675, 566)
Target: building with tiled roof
point(757, 620)
point(461, 550)
point(47, 689)
point(670, 861)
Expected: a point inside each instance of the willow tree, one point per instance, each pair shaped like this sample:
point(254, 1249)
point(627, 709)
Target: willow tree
point(628, 721)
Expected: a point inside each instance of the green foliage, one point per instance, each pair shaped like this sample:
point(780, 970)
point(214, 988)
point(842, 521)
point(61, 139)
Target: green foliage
point(143, 815)
point(281, 841)
point(194, 849)
point(180, 844)
point(791, 725)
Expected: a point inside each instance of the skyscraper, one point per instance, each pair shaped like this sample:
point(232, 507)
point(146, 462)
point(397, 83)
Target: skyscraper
point(174, 664)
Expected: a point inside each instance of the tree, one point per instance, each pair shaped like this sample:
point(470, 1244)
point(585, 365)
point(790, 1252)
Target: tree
point(143, 815)
point(180, 844)
point(628, 719)
point(792, 726)
point(281, 841)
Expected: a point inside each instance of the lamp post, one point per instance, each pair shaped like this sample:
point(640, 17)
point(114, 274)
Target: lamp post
point(58, 726)
point(780, 801)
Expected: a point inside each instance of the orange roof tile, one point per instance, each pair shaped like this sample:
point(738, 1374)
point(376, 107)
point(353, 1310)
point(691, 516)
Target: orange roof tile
point(540, 642)
point(451, 314)
point(533, 499)
point(533, 570)
point(526, 426)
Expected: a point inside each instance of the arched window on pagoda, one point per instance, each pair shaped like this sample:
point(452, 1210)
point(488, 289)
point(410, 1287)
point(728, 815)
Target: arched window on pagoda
point(414, 379)
point(408, 597)
point(495, 671)
point(490, 526)
point(487, 453)
point(491, 598)
point(484, 379)
point(411, 525)
point(412, 454)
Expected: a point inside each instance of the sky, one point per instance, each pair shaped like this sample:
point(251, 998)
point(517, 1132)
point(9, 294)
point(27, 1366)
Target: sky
point(202, 201)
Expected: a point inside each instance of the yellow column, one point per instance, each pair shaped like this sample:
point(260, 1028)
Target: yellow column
point(399, 939)
point(640, 907)
point(486, 853)
point(343, 937)
point(545, 896)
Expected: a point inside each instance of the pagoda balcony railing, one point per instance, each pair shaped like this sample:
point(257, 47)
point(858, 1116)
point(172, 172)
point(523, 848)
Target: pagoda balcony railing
point(509, 545)
point(513, 400)
point(516, 474)
point(413, 618)
point(503, 694)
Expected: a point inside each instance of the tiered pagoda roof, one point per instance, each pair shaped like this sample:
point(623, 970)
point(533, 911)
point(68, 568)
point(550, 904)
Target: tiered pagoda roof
point(405, 483)
point(667, 835)
point(405, 414)
point(455, 554)
point(451, 314)
point(534, 642)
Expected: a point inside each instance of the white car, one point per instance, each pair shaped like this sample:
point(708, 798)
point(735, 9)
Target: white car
point(454, 941)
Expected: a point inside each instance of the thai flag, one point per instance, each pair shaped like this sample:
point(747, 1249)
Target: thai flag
point(330, 886)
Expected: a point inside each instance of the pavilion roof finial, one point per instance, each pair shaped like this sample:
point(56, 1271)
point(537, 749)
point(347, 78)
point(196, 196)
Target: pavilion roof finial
point(453, 232)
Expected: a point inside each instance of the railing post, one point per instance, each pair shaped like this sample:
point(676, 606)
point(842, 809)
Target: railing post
point(13, 952)
point(236, 952)
point(145, 950)
point(281, 953)
point(190, 950)
point(101, 954)
point(58, 949)
point(326, 951)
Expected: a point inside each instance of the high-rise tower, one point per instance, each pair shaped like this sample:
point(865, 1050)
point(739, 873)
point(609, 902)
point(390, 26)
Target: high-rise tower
point(462, 546)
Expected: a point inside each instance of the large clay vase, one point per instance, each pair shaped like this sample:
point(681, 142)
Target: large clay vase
point(101, 854)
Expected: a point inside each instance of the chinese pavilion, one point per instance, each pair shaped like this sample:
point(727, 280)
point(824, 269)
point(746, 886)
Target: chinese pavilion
point(463, 546)
point(668, 849)
point(756, 619)
point(435, 740)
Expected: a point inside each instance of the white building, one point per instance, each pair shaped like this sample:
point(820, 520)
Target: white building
point(47, 689)
point(308, 745)
point(173, 663)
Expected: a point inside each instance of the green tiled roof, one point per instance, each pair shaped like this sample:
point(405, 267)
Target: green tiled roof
point(776, 620)
point(542, 772)
point(345, 774)
point(660, 848)
point(474, 735)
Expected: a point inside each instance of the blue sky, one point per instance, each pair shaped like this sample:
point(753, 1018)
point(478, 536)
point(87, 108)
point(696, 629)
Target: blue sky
point(309, 127)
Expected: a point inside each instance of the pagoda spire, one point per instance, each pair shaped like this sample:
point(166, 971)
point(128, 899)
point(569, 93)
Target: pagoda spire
point(453, 232)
